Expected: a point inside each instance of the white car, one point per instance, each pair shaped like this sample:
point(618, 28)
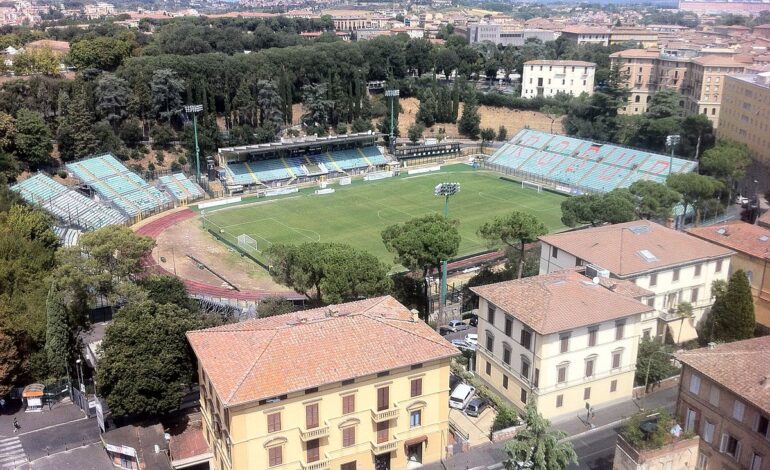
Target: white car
point(472, 339)
point(741, 199)
point(457, 325)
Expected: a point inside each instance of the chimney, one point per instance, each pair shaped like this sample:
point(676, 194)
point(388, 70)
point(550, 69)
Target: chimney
point(765, 382)
point(712, 345)
point(415, 315)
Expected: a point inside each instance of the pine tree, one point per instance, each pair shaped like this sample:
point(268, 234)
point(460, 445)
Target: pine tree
point(80, 123)
point(733, 312)
point(427, 111)
point(470, 121)
point(58, 338)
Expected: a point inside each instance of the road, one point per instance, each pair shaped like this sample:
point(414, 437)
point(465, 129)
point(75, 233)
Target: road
point(59, 438)
point(595, 449)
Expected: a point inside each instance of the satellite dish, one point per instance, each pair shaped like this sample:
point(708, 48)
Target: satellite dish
point(595, 280)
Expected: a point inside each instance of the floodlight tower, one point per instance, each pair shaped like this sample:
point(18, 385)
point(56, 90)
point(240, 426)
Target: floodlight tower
point(194, 109)
point(672, 141)
point(445, 190)
point(392, 94)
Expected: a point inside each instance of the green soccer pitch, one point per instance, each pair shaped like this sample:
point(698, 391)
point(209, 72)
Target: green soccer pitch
point(356, 214)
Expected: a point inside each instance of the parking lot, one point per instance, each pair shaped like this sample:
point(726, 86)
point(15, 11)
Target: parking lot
point(477, 429)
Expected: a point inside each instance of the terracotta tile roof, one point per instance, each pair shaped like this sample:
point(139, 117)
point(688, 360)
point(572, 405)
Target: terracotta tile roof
point(187, 442)
point(752, 240)
point(621, 248)
point(743, 367)
point(577, 63)
point(717, 60)
point(586, 30)
point(268, 357)
point(559, 301)
point(651, 53)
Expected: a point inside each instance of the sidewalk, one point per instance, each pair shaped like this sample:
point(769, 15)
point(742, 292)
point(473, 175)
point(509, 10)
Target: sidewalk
point(61, 412)
point(489, 455)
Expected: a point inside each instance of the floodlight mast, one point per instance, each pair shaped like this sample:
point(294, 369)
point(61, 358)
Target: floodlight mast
point(392, 94)
point(672, 141)
point(445, 190)
point(194, 109)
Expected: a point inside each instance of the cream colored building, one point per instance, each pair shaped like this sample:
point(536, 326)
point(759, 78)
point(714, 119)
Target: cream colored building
point(745, 115)
point(356, 386)
point(674, 266)
point(705, 84)
point(549, 77)
point(632, 34)
point(560, 339)
point(581, 35)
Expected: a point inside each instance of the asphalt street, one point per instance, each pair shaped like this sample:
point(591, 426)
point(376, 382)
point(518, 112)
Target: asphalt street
point(59, 438)
point(595, 449)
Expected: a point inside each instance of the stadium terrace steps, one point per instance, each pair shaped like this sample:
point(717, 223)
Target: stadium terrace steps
point(181, 187)
point(584, 164)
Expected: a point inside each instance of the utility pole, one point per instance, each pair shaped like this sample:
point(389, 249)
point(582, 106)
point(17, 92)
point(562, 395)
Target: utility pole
point(392, 94)
point(194, 109)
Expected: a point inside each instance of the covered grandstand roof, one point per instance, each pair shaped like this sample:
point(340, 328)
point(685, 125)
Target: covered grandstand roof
point(298, 143)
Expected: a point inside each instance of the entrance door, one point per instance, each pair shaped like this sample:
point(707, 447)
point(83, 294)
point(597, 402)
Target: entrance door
point(382, 462)
point(414, 456)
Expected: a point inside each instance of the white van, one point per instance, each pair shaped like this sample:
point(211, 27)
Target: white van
point(461, 396)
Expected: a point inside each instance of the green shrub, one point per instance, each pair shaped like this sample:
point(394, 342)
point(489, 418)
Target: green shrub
point(506, 417)
point(62, 174)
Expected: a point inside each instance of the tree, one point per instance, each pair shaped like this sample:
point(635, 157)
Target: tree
point(60, 338)
point(697, 135)
point(428, 109)
point(317, 106)
point(733, 312)
point(653, 362)
point(37, 61)
point(166, 89)
point(272, 306)
point(694, 188)
point(76, 133)
point(514, 230)
point(270, 105)
point(614, 207)
point(111, 95)
point(7, 131)
point(33, 139)
point(727, 162)
point(487, 135)
point(130, 132)
point(10, 363)
point(684, 311)
point(470, 121)
point(168, 290)
point(538, 446)
point(146, 362)
point(334, 272)
point(502, 134)
point(653, 200)
point(105, 53)
point(415, 132)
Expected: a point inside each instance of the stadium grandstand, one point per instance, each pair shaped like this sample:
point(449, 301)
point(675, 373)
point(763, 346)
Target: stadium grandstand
point(580, 166)
point(71, 208)
point(180, 187)
point(419, 154)
point(299, 160)
point(118, 185)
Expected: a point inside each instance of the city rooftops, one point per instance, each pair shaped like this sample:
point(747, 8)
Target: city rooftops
point(651, 53)
point(580, 29)
point(743, 367)
point(758, 79)
point(560, 301)
point(568, 63)
point(717, 61)
point(636, 247)
point(269, 357)
point(749, 239)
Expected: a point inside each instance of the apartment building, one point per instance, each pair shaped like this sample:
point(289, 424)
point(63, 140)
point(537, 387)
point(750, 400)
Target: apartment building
point(546, 338)
point(674, 266)
point(745, 115)
point(587, 35)
point(505, 35)
point(356, 386)
point(632, 34)
point(724, 396)
point(705, 84)
point(549, 77)
point(751, 244)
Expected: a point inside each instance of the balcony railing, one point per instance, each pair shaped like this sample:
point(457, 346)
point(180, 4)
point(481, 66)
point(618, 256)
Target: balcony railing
point(385, 447)
point(384, 415)
point(315, 433)
point(317, 465)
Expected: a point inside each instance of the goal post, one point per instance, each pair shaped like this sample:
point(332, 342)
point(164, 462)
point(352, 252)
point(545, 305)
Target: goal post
point(248, 243)
point(530, 185)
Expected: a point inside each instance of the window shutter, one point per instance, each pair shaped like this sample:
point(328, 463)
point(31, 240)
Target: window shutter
point(723, 443)
point(738, 451)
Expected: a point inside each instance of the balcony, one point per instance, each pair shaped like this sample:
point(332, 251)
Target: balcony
point(318, 465)
point(384, 415)
point(315, 433)
point(385, 447)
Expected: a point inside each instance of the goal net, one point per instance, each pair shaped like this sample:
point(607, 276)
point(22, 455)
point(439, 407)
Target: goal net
point(530, 185)
point(248, 243)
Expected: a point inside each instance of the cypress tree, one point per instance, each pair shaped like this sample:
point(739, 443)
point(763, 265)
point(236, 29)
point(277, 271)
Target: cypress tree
point(58, 338)
point(455, 101)
point(80, 123)
point(427, 112)
point(733, 312)
point(470, 121)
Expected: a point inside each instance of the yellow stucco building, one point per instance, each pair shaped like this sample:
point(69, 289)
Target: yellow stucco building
point(356, 386)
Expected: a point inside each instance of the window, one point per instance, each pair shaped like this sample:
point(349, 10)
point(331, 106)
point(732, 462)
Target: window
point(506, 355)
point(488, 368)
point(697, 270)
point(505, 381)
point(524, 368)
point(587, 393)
point(613, 386)
point(590, 367)
point(313, 450)
point(491, 314)
point(349, 436)
point(348, 404)
point(592, 333)
point(616, 356)
point(730, 446)
point(311, 416)
point(691, 420)
point(526, 339)
point(714, 395)
point(382, 432)
point(274, 422)
point(554, 252)
point(653, 279)
point(738, 410)
point(651, 302)
point(756, 462)
point(703, 461)
point(559, 401)
point(708, 432)
point(695, 384)
point(536, 378)
point(719, 266)
point(619, 329)
point(523, 396)
point(762, 426)
point(636, 99)
point(561, 373)
point(490, 343)
point(694, 295)
point(564, 342)
point(416, 389)
point(275, 456)
point(383, 398)
point(349, 466)
point(508, 326)
point(415, 418)
point(646, 333)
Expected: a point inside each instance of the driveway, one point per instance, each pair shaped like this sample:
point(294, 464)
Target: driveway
point(477, 429)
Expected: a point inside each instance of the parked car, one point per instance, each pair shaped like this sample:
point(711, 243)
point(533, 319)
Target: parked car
point(472, 339)
point(474, 320)
point(742, 200)
point(475, 407)
point(462, 345)
point(457, 325)
point(461, 396)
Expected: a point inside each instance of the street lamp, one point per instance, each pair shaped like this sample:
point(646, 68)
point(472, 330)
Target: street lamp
point(445, 190)
point(672, 141)
point(392, 94)
point(80, 375)
point(194, 109)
